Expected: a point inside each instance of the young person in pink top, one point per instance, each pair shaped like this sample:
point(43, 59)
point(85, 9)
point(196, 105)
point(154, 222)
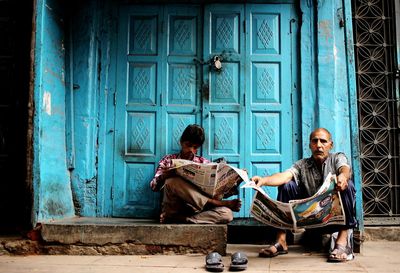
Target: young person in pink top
point(182, 201)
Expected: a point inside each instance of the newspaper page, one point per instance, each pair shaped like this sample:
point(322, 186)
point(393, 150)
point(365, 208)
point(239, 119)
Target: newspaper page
point(269, 211)
point(214, 179)
point(323, 208)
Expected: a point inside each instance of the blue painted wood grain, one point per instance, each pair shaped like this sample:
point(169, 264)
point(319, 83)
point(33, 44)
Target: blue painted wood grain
point(51, 181)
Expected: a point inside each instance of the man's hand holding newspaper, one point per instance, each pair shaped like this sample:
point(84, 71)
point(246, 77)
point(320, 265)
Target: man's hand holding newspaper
point(321, 209)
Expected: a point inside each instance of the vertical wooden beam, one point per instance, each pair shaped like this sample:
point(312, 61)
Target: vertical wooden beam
point(355, 145)
point(51, 183)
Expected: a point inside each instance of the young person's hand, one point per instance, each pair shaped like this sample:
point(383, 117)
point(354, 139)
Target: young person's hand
point(156, 184)
point(168, 174)
point(153, 185)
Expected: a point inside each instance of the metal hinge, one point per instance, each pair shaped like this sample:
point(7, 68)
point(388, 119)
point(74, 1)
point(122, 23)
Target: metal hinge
point(292, 21)
point(244, 26)
point(112, 193)
point(115, 98)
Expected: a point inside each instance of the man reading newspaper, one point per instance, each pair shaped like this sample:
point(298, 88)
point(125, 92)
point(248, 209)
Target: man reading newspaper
point(322, 209)
point(304, 179)
point(183, 202)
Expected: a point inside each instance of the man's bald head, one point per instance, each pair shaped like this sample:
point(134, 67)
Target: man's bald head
point(320, 130)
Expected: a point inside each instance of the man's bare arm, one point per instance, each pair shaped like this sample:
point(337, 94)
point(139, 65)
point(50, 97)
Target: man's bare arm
point(276, 179)
point(343, 178)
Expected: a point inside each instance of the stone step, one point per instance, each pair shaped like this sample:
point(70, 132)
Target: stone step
point(114, 236)
point(86, 235)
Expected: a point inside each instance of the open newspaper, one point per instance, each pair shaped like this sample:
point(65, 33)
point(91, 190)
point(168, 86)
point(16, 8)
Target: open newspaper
point(321, 209)
point(214, 179)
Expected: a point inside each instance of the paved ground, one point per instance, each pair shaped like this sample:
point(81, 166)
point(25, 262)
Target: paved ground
point(377, 256)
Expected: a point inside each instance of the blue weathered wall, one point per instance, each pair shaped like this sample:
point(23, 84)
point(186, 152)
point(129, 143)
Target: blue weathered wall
point(325, 93)
point(326, 89)
point(328, 80)
point(51, 183)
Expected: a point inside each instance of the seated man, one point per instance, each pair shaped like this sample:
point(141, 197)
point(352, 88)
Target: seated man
point(303, 180)
point(182, 201)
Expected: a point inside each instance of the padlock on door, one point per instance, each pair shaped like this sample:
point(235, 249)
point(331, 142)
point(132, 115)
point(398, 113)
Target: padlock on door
point(216, 63)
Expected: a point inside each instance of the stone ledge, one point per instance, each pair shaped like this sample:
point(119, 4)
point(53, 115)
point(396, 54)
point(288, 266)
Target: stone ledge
point(214, 237)
point(130, 236)
point(389, 233)
point(28, 247)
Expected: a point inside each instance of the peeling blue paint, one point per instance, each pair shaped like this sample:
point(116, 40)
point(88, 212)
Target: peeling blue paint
point(83, 44)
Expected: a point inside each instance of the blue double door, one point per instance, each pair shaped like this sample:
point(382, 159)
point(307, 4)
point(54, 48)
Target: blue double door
point(165, 80)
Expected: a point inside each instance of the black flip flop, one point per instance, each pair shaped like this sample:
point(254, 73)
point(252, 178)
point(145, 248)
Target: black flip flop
point(238, 261)
point(214, 262)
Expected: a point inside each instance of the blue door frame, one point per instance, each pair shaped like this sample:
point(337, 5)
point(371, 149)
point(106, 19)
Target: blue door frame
point(72, 181)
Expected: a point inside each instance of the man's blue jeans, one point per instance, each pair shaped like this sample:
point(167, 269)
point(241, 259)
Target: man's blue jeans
point(291, 191)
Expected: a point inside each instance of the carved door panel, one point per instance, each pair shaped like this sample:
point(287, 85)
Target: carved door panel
point(247, 111)
point(157, 97)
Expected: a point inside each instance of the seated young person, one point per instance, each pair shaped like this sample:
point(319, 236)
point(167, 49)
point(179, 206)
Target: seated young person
point(182, 201)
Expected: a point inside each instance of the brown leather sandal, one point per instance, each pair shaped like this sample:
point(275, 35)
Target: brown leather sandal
point(267, 253)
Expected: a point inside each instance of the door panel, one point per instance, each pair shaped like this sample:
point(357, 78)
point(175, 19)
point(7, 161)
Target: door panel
point(247, 112)
point(137, 140)
point(162, 87)
point(157, 97)
point(183, 37)
point(223, 103)
point(269, 109)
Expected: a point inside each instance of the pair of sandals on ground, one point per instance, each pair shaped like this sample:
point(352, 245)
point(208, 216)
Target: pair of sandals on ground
point(338, 253)
point(214, 262)
point(239, 259)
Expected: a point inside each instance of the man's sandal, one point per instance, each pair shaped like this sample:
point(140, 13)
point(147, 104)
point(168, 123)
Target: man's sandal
point(214, 262)
point(339, 254)
point(267, 253)
point(238, 261)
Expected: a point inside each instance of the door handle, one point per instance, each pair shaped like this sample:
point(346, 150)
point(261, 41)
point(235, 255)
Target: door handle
point(199, 61)
point(205, 90)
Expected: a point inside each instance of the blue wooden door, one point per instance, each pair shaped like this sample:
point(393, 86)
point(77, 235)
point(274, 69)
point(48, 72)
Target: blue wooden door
point(163, 85)
point(158, 85)
point(247, 109)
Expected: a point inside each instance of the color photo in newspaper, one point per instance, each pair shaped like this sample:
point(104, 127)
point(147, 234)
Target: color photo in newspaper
point(214, 179)
point(321, 209)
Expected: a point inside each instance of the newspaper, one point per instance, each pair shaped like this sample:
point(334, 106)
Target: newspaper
point(323, 208)
point(214, 179)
